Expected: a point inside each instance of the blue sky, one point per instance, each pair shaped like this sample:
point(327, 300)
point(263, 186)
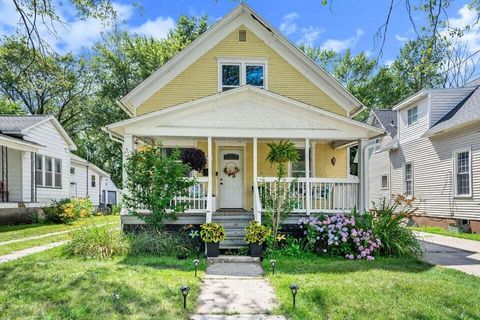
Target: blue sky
point(348, 24)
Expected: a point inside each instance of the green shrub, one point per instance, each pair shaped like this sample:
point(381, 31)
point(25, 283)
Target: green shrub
point(212, 232)
point(256, 233)
point(97, 242)
point(388, 220)
point(161, 243)
point(68, 210)
point(116, 209)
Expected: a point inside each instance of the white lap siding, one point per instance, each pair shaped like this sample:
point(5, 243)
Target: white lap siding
point(55, 146)
point(379, 165)
point(14, 166)
point(433, 173)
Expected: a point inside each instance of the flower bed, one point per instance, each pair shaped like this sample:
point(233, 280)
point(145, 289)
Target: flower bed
point(338, 235)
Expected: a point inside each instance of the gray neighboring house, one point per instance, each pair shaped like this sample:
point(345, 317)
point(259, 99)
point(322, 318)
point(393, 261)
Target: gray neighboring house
point(431, 151)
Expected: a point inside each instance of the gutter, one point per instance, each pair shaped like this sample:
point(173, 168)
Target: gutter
point(112, 135)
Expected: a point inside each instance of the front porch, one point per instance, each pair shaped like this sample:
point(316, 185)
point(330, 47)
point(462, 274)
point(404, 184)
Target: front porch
point(233, 128)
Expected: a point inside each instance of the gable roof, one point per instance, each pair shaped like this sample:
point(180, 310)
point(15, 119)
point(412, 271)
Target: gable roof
point(465, 112)
point(241, 15)
point(22, 124)
point(248, 99)
point(387, 120)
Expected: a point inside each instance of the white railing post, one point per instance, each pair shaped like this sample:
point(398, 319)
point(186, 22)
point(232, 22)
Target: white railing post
point(210, 181)
point(307, 175)
point(363, 201)
point(256, 212)
point(127, 148)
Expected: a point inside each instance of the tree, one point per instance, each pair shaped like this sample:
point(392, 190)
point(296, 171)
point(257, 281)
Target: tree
point(52, 84)
point(280, 203)
point(154, 181)
point(9, 107)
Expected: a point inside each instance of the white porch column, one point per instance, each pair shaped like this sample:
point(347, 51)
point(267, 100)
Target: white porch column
point(127, 149)
point(257, 215)
point(307, 174)
point(363, 192)
point(210, 181)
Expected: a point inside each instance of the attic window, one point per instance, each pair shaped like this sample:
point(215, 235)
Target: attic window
point(242, 35)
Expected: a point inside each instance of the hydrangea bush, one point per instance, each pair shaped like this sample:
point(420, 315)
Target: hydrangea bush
point(338, 235)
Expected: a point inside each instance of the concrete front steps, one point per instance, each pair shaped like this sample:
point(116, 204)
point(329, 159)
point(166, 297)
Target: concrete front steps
point(234, 224)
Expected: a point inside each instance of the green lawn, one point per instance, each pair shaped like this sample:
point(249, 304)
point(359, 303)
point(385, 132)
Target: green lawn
point(51, 286)
point(388, 288)
point(438, 230)
point(13, 232)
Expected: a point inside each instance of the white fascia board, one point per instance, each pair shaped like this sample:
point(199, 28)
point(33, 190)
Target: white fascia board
point(412, 99)
point(17, 144)
point(275, 40)
point(58, 126)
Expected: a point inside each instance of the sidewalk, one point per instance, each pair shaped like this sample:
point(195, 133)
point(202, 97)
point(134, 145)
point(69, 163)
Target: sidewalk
point(26, 252)
point(236, 290)
point(450, 252)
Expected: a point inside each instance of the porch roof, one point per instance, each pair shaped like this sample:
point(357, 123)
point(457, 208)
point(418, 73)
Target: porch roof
point(19, 144)
point(245, 112)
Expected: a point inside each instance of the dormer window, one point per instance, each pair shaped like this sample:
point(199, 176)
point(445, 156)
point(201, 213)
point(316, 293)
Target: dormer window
point(239, 73)
point(412, 115)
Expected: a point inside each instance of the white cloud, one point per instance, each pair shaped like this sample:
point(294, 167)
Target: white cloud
point(310, 35)
point(401, 38)
point(341, 45)
point(288, 25)
point(157, 28)
point(389, 62)
point(471, 38)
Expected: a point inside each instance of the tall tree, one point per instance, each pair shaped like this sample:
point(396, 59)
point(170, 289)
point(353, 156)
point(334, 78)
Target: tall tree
point(44, 83)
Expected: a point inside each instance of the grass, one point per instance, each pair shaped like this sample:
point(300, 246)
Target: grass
point(388, 288)
point(11, 247)
point(12, 232)
point(49, 285)
point(441, 231)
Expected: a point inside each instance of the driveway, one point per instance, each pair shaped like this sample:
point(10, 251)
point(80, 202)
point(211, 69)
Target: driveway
point(450, 252)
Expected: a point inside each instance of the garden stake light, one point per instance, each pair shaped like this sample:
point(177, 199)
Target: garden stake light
point(184, 290)
point(195, 262)
point(294, 289)
point(273, 263)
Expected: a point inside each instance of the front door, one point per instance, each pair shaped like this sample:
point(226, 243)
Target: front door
point(231, 179)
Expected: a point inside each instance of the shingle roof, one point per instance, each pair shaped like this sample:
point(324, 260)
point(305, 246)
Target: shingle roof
point(9, 123)
point(467, 111)
point(388, 119)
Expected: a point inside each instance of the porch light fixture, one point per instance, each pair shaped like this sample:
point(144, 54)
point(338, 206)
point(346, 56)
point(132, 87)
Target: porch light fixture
point(294, 289)
point(195, 263)
point(273, 263)
point(184, 290)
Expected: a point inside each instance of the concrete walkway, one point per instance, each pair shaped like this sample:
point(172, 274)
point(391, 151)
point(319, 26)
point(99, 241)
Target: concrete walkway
point(23, 253)
point(235, 290)
point(450, 252)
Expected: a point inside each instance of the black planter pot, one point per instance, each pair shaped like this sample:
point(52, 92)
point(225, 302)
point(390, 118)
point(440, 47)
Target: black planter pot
point(213, 249)
point(256, 250)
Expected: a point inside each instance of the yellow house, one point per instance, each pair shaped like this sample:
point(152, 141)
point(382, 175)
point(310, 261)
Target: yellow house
point(239, 86)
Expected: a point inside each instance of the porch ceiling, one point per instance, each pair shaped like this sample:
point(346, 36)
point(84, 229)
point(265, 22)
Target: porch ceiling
point(245, 112)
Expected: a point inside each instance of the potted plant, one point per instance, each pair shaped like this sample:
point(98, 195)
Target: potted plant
point(212, 233)
point(255, 235)
point(195, 159)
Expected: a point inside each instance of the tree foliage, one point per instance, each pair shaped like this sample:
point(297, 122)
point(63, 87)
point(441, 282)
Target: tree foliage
point(153, 183)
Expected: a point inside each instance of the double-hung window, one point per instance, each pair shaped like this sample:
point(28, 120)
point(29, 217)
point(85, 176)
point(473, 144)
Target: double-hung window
point(94, 181)
point(408, 178)
point(462, 172)
point(239, 73)
point(38, 170)
point(58, 173)
point(298, 168)
point(384, 181)
point(48, 172)
point(412, 115)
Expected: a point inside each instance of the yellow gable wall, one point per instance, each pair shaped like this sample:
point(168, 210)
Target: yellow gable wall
point(201, 78)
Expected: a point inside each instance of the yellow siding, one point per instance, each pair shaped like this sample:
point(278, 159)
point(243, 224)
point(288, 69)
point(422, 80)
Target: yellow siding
point(323, 165)
point(201, 78)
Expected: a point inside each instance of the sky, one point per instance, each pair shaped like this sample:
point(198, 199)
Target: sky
point(347, 24)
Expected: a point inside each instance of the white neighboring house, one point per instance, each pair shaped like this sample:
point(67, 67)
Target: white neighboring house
point(434, 155)
point(88, 180)
point(34, 161)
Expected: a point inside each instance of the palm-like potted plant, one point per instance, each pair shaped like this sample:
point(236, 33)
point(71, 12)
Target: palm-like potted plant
point(255, 235)
point(212, 233)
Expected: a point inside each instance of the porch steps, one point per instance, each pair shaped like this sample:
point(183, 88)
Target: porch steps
point(234, 224)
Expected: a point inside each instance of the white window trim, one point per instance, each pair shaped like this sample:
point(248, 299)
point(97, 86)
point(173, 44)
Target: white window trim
point(405, 181)
point(416, 120)
point(243, 63)
point(52, 173)
point(454, 178)
point(381, 181)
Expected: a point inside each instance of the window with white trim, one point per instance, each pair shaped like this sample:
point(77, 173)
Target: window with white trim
point(236, 74)
point(384, 181)
point(94, 181)
point(58, 173)
point(38, 170)
point(48, 172)
point(412, 115)
point(408, 179)
point(298, 168)
point(462, 172)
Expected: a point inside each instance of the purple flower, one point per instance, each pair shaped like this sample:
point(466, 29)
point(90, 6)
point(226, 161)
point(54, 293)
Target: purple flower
point(370, 258)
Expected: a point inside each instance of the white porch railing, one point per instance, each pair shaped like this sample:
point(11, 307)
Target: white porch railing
point(326, 195)
point(196, 198)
